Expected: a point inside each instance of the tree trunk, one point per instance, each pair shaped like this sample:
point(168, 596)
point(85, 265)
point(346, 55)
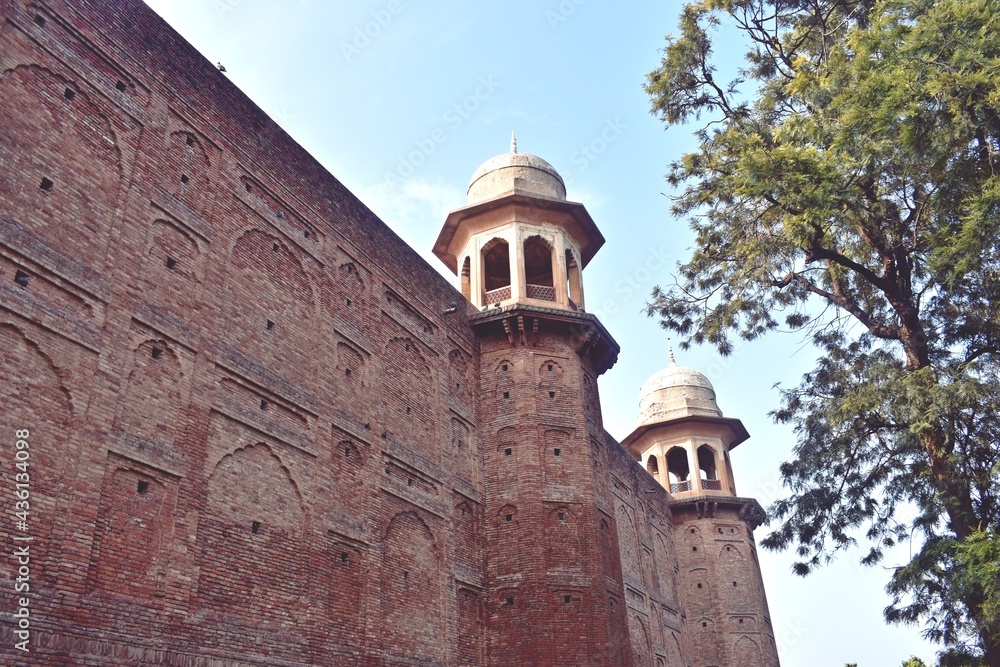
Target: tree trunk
point(953, 488)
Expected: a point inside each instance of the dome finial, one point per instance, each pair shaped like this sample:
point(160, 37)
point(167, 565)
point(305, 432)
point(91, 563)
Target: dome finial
point(513, 142)
point(670, 347)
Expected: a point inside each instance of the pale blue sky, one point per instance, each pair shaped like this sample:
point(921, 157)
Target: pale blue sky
point(402, 101)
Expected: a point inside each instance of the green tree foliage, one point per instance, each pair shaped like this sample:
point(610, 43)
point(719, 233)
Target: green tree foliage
point(913, 661)
point(847, 185)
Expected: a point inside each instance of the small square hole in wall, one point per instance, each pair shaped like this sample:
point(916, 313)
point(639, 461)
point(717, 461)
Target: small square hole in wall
point(406, 575)
point(142, 487)
point(734, 585)
point(504, 367)
point(704, 625)
point(562, 516)
point(694, 548)
point(184, 179)
point(280, 214)
point(552, 394)
point(347, 372)
point(121, 86)
point(409, 410)
point(567, 599)
point(69, 94)
point(699, 585)
point(263, 404)
point(741, 620)
point(190, 140)
point(348, 302)
point(409, 482)
point(343, 556)
point(249, 187)
point(40, 20)
point(156, 352)
point(720, 531)
point(307, 233)
point(550, 368)
point(21, 278)
point(557, 451)
point(508, 517)
point(510, 602)
point(506, 394)
point(274, 247)
point(46, 185)
point(270, 325)
point(171, 263)
point(255, 527)
point(508, 451)
point(347, 451)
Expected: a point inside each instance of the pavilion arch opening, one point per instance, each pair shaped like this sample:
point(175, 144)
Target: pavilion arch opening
point(538, 269)
point(652, 467)
point(574, 284)
point(678, 471)
point(496, 271)
point(467, 278)
point(708, 469)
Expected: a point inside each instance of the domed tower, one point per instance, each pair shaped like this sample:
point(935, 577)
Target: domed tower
point(518, 240)
point(519, 247)
point(683, 440)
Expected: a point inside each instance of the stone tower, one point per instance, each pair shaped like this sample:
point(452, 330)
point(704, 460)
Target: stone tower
point(519, 247)
point(683, 440)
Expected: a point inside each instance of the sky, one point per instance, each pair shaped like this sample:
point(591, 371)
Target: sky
point(403, 100)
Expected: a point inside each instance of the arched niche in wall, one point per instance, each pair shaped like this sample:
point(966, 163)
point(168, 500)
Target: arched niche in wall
point(251, 539)
point(62, 162)
point(411, 590)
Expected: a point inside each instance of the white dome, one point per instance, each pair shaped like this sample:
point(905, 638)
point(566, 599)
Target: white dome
point(676, 392)
point(515, 172)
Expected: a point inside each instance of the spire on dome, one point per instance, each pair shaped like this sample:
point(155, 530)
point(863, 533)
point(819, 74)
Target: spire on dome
point(670, 347)
point(513, 142)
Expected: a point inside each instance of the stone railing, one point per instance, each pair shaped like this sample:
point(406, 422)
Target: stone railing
point(679, 487)
point(711, 484)
point(498, 295)
point(541, 292)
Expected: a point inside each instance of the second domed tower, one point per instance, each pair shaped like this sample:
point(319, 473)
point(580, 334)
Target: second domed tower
point(518, 240)
point(682, 438)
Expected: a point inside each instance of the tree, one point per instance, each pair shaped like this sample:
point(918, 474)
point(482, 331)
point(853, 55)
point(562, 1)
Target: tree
point(847, 186)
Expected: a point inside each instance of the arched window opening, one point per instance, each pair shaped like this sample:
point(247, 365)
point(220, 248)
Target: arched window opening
point(574, 287)
point(467, 278)
point(652, 467)
point(496, 271)
point(538, 269)
point(709, 473)
point(678, 470)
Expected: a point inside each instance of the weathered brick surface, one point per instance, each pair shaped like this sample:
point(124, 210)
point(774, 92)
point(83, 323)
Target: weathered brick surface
point(256, 438)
